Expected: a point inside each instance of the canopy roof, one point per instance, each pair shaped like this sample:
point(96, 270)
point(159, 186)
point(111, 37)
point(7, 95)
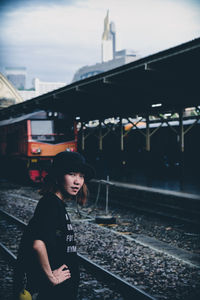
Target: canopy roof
point(169, 78)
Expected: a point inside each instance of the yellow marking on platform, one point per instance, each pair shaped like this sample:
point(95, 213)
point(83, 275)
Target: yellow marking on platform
point(33, 160)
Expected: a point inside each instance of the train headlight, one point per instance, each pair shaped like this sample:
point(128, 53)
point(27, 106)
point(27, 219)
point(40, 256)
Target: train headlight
point(35, 150)
point(69, 149)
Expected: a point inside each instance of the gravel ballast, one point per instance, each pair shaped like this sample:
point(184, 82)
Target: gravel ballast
point(154, 272)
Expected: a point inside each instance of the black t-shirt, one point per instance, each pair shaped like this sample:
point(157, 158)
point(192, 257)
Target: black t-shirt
point(52, 225)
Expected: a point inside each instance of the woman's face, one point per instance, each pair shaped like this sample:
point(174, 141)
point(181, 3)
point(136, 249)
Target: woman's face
point(73, 182)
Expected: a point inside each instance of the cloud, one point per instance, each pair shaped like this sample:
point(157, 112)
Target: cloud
point(137, 22)
point(51, 25)
point(51, 34)
point(10, 5)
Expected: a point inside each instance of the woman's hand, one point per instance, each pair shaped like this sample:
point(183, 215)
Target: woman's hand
point(57, 276)
point(61, 274)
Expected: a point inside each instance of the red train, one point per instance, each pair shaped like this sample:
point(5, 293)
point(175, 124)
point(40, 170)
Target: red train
point(29, 142)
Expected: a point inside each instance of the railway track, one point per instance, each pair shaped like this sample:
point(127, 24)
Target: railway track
point(127, 290)
point(124, 252)
point(125, 230)
point(168, 205)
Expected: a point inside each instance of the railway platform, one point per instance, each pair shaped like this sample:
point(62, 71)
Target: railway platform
point(137, 187)
point(178, 207)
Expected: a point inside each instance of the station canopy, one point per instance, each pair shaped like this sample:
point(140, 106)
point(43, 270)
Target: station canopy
point(167, 81)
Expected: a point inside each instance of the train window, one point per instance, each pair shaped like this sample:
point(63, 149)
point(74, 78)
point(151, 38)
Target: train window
point(53, 131)
point(42, 127)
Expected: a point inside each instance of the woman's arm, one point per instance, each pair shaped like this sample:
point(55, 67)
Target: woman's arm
point(55, 277)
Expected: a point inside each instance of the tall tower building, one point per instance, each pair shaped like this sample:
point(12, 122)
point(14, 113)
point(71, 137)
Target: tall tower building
point(108, 40)
point(110, 57)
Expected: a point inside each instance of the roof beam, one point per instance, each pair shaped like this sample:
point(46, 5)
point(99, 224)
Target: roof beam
point(78, 89)
point(108, 81)
point(147, 67)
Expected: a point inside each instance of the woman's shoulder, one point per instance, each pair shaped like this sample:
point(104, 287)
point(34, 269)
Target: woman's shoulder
point(49, 197)
point(48, 200)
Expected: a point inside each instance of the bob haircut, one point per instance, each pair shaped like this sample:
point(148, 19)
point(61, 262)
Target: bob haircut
point(53, 185)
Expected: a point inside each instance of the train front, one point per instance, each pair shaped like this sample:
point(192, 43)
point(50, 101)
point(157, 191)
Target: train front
point(48, 134)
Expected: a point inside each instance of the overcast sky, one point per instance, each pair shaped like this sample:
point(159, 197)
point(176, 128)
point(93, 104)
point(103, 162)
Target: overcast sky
point(52, 39)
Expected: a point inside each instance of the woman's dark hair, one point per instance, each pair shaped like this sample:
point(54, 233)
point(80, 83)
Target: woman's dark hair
point(52, 185)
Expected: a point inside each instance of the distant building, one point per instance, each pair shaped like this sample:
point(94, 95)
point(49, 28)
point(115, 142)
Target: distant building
point(109, 56)
point(108, 40)
point(27, 94)
point(88, 71)
point(17, 76)
point(40, 88)
point(8, 93)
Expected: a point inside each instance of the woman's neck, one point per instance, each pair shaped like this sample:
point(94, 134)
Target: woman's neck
point(61, 196)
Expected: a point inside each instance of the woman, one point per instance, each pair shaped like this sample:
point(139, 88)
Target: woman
point(48, 249)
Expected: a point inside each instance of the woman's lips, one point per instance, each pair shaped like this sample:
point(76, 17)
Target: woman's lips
point(75, 189)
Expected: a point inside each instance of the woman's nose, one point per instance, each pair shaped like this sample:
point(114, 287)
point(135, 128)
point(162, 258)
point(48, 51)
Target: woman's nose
point(77, 180)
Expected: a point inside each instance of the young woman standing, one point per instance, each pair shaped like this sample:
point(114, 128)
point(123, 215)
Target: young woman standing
point(48, 249)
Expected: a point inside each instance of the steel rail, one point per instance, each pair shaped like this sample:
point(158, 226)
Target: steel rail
point(13, 218)
point(8, 254)
point(128, 291)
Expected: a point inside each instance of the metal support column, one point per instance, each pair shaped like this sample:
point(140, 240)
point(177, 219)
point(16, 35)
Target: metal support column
point(181, 141)
point(100, 136)
point(121, 135)
point(147, 134)
point(181, 131)
point(107, 192)
point(82, 137)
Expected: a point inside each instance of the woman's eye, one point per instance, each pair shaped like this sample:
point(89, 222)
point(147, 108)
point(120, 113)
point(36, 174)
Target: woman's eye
point(74, 174)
